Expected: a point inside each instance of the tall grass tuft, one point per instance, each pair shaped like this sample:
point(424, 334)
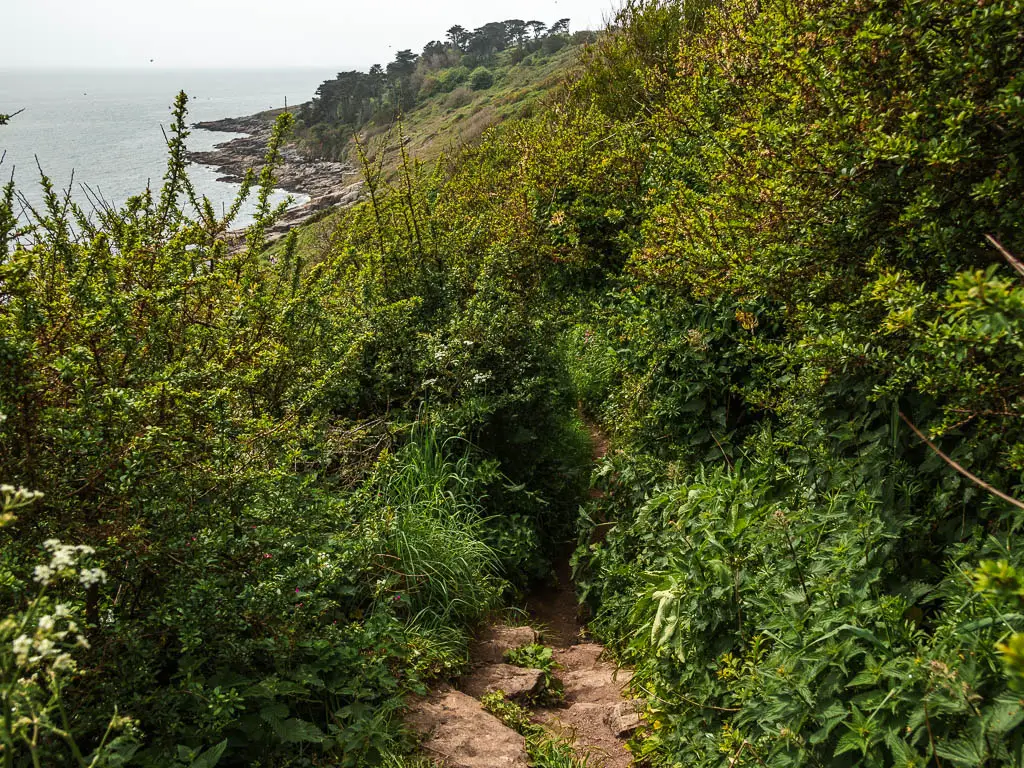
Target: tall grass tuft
point(431, 534)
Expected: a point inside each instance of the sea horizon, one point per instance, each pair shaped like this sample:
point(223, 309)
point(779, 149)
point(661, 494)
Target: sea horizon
point(104, 127)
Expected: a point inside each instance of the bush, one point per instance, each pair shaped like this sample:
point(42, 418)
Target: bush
point(452, 78)
point(481, 79)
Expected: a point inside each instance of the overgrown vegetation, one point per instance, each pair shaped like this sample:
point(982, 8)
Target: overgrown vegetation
point(288, 542)
point(768, 246)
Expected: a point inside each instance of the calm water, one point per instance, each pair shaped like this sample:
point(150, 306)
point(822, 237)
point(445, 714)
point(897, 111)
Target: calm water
point(105, 126)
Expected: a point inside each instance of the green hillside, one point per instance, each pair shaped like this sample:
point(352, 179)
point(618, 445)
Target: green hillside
point(769, 250)
point(447, 95)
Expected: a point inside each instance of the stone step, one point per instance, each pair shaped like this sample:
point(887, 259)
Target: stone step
point(516, 682)
point(460, 734)
point(494, 642)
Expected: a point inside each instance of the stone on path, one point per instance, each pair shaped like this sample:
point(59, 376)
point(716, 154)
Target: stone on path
point(516, 682)
point(624, 718)
point(460, 733)
point(595, 714)
point(494, 642)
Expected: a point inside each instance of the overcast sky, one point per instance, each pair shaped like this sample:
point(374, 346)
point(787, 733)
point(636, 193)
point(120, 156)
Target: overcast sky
point(250, 33)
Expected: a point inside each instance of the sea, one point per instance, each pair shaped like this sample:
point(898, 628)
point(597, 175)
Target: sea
point(102, 130)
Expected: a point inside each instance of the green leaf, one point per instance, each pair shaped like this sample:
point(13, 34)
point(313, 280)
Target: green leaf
point(296, 731)
point(1007, 714)
point(961, 751)
point(210, 757)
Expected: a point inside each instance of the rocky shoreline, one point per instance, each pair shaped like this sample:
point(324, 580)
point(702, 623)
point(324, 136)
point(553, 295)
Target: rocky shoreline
point(327, 184)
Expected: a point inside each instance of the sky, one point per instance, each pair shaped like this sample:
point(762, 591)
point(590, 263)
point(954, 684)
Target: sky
point(250, 34)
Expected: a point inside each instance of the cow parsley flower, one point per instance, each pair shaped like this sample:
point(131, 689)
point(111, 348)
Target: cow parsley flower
point(22, 646)
point(91, 576)
point(43, 574)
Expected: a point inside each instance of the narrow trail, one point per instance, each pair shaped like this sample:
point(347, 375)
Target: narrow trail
point(595, 712)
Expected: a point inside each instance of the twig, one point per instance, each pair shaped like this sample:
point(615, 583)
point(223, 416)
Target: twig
point(690, 701)
point(928, 723)
point(1014, 262)
point(727, 459)
point(973, 478)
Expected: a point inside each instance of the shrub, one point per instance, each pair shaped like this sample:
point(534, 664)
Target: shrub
point(481, 79)
point(452, 78)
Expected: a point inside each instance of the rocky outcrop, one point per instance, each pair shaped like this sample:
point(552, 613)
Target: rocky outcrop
point(327, 184)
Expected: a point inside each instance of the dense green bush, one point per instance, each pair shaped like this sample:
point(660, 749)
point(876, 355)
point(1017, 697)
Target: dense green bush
point(481, 79)
point(788, 564)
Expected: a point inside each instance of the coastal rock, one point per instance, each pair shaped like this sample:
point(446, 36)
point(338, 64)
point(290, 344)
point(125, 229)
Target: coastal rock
point(325, 182)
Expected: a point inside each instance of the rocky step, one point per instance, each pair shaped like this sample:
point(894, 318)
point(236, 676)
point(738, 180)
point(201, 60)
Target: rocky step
point(458, 733)
point(597, 715)
point(516, 683)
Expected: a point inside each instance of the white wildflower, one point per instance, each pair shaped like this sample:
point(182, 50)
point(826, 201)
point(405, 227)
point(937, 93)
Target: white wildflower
point(46, 623)
point(63, 557)
point(92, 576)
point(43, 574)
point(44, 647)
point(62, 611)
point(81, 641)
point(64, 663)
point(22, 646)
point(480, 378)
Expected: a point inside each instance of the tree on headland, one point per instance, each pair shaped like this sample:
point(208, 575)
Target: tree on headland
point(516, 31)
point(354, 98)
point(560, 27)
point(458, 36)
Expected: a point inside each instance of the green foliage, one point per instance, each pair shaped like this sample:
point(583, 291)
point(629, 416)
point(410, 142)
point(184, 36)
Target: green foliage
point(535, 656)
point(785, 563)
point(544, 750)
point(749, 239)
point(230, 432)
point(481, 79)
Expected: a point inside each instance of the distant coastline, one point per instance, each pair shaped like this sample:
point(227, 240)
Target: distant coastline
point(327, 184)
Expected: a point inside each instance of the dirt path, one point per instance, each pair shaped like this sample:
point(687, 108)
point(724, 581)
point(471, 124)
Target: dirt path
point(595, 713)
